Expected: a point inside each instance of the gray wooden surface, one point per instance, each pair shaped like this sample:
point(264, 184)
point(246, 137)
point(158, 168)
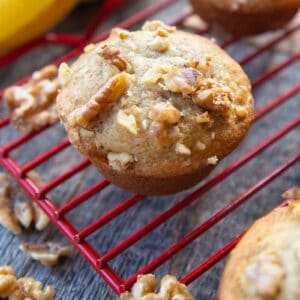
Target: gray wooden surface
point(73, 278)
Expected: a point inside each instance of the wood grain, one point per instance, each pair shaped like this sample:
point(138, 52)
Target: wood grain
point(73, 278)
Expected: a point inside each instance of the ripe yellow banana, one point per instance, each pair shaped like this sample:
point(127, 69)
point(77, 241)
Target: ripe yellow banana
point(21, 21)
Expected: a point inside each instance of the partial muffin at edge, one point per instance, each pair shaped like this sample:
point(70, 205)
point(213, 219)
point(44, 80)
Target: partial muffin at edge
point(248, 17)
point(266, 262)
point(150, 106)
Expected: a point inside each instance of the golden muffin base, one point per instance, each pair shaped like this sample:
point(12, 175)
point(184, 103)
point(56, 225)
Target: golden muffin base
point(275, 234)
point(243, 23)
point(146, 185)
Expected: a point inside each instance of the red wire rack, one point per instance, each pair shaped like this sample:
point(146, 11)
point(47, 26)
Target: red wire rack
point(57, 214)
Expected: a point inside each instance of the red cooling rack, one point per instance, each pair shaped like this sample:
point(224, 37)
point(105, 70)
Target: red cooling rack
point(78, 238)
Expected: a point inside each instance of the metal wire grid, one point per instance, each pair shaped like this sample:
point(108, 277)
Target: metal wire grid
point(78, 238)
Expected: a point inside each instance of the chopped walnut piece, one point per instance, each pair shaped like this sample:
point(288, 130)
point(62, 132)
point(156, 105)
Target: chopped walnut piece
point(64, 74)
point(213, 160)
point(113, 56)
point(32, 105)
point(127, 121)
point(47, 254)
point(293, 197)
point(28, 288)
point(111, 92)
point(40, 218)
point(24, 288)
point(212, 101)
point(8, 281)
point(162, 32)
point(7, 217)
point(119, 161)
point(145, 289)
point(164, 112)
point(23, 212)
point(159, 135)
point(89, 48)
point(184, 80)
point(123, 34)
point(156, 25)
point(240, 111)
point(48, 72)
point(194, 22)
point(159, 44)
point(263, 276)
point(182, 149)
point(292, 193)
point(203, 118)
point(200, 146)
point(153, 75)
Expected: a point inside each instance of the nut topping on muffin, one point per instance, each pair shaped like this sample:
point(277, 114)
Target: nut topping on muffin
point(149, 97)
point(263, 276)
point(110, 93)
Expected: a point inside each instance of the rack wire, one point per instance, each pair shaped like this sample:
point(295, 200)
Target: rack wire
point(57, 214)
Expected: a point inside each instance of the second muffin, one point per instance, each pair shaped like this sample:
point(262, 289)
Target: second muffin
point(156, 109)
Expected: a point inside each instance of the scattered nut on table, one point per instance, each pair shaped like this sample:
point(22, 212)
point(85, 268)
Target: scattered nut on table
point(47, 254)
point(24, 288)
point(32, 105)
point(292, 193)
point(17, 212)
point(7, 217)
point(145, 288)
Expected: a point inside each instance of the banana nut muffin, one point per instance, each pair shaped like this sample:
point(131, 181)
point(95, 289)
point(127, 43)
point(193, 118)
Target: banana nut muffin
point(155, 109)
point(265, 265)
point(246, 17)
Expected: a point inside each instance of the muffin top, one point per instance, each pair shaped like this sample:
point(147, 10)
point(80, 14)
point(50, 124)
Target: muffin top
point(253, 6)
point(143, 100)
point(265, 265)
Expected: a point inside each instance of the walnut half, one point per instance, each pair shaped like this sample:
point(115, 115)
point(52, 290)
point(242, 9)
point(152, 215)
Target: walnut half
point(111, 92)
point(32, 105)
point(47, 254)
point(24, 288)
point(145, 289)
point(7, 217)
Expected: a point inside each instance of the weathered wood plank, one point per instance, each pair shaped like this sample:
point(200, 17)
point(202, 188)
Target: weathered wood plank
point(73, 278)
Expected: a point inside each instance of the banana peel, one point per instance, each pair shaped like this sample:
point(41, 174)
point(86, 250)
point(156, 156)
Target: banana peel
point(22, 21)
